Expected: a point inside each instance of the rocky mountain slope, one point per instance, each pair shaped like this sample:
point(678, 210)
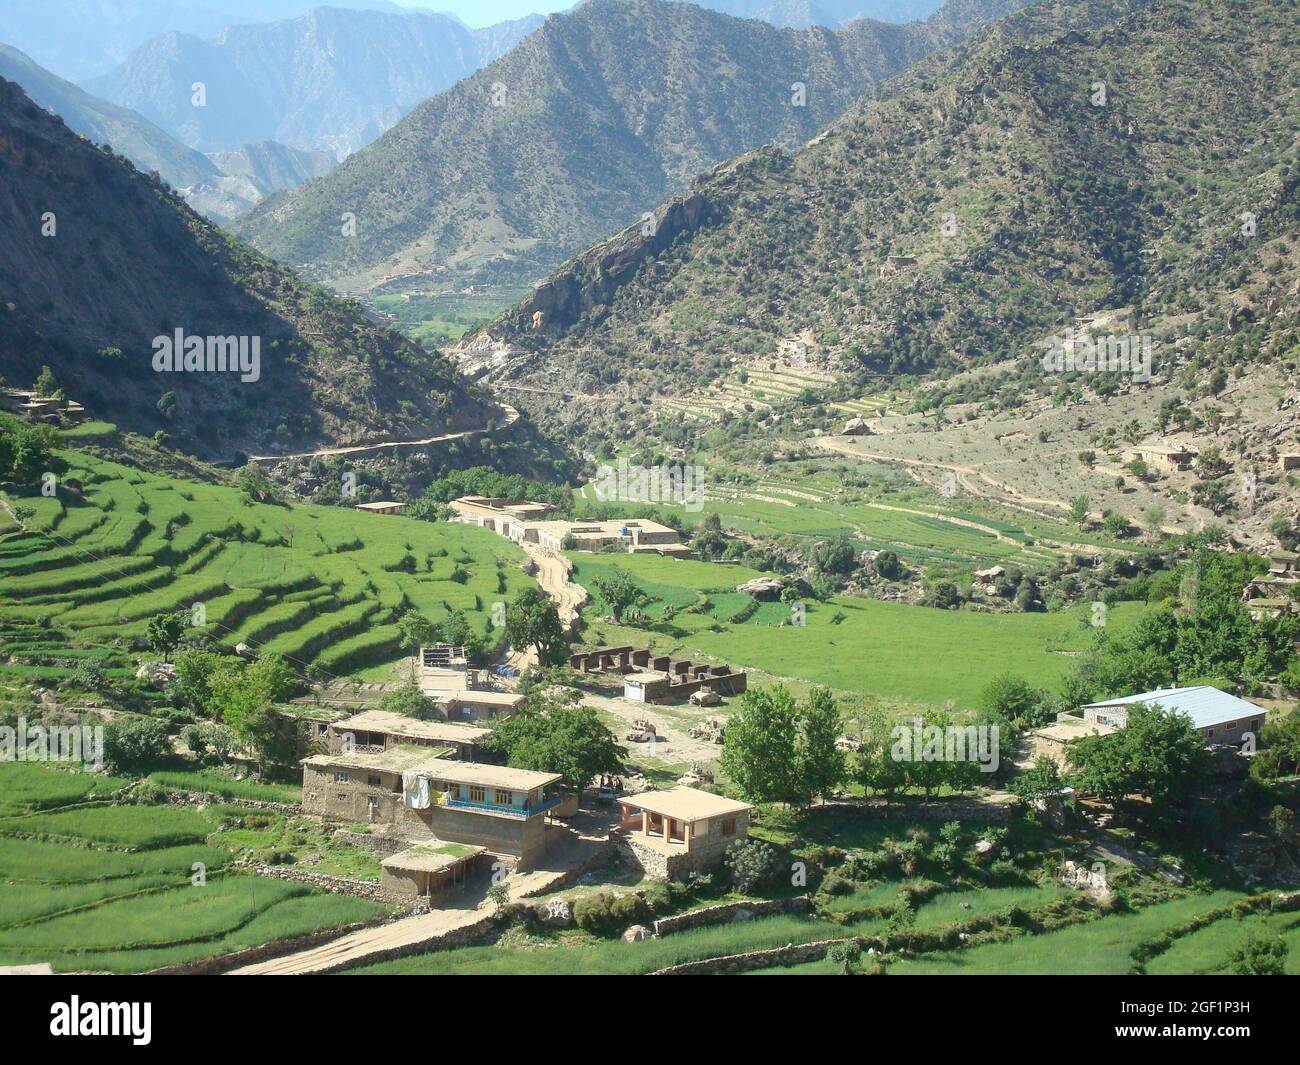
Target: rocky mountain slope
point(591, 121)
point(800, 14)
point(330, 80)
point(100, 261)
point(220, 186)
point(1077, 158)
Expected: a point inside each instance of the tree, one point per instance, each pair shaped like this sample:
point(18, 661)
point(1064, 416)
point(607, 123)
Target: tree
point(845, 956)
point(820, 764)
point(409, 701)
point(759, 752)
point(27, 451)
point(499, 894)
point(533, 620)
point(416, 631)
point(257, 487)
point(834, 557)
point(164, 632)
point(1079, 510)
point(1153, 519)
point(752, 864)
point(878, 770)
point(244, 697)
point(46, 386)
point(1157, 754)
point(888, 566)
point(549, 735)
point(194, 671)
point(1263, 954)
point(1038, 782)
point(618, 592)
point(1010, 697)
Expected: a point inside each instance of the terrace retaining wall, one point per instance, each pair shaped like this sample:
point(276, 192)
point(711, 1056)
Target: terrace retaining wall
point(794, 954)
point(729, 911)
point(339, 885)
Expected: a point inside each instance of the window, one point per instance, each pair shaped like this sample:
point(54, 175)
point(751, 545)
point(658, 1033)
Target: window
point(505, 798)
point(477, 793)
point(374, 781)
point(729, 826)
point(341, 777)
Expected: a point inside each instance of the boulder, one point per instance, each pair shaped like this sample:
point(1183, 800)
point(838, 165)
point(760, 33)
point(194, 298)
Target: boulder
point(636, 933)
point(856, 427)
point(156, 674)
point(761, 588)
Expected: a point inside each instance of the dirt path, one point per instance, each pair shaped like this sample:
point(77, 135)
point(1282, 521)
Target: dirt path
point(508, 418)
point(969, 477)
point(673, 743)
point(467, 907)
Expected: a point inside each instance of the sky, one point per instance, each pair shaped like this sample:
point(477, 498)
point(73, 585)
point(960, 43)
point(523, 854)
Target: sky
point(486, 12)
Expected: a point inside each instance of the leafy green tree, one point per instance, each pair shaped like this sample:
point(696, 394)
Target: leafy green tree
point(878, 771)
point(617, 591)
point(1038, 782)
point(759, 752)
point(1157, 755)
point(532, 620)
point(752, 864)
point(558, 737)
point(821, 764)
point(257, 486)
point(164, 633)
point(416, 631)
point(27, 451)
point(1079, 510)
point(845, 956)
point(409, 701)
point(194, 671)
point(1281, 753)
point(243, 697)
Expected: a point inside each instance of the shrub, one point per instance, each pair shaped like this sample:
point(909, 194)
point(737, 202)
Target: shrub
point(135, 744)
point(752, 864)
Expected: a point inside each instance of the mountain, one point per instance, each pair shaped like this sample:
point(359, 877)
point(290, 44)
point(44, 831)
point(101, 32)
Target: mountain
point(330, 80)
point(85, 38)
point(101, 261)
point(267, 167)
point(220, 187)
point(1077, 159)
point(589, 122)
point(800, 14)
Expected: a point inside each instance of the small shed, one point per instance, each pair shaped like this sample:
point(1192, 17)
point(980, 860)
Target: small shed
point(429, 869)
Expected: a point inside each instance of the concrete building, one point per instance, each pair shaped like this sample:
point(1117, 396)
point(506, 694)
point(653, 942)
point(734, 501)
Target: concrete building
point(1052, 740)
point(378, 730)
point(427, 797)
point(388, 507)
point(649, 677)
point(631, 535)
point(670, 833)
point(1218, 716)
point(472, 705)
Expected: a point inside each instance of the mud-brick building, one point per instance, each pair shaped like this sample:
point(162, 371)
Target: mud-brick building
point(378, 730)
point(424, 796)
point(670, 833)
point(652, 678)
point(429, 870)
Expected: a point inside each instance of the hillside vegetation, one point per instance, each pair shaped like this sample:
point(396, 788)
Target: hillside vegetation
point(100, 260)
point(1049, 170)
point(590, 121)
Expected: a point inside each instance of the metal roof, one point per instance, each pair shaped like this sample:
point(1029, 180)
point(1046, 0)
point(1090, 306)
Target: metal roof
point(1206, 706)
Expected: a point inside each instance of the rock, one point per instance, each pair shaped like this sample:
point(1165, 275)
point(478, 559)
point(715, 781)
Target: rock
point(156, 674)
point(761, 588)
point(743, 915)
point(856, 427)
point(964, 905)
point(983, 846)
point(636, 933)
point(243, 650)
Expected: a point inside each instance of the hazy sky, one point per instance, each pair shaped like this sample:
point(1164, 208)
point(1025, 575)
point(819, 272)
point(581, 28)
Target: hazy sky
point(486, 12)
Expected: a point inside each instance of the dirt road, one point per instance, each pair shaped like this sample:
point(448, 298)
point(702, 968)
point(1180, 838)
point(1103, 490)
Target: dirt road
point(508, 417)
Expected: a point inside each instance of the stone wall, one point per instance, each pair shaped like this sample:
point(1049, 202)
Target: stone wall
point(795, 954)
point(729, 911)
point(361, 889)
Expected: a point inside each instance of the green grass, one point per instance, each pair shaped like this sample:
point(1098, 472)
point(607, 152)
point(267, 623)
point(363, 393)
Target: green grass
point(319, 585)
point(1100, 947)
point(892, 650)
point(30, 786)
point(216, 782)
point(135, 827)
point(1209, 950)
point(611, 957)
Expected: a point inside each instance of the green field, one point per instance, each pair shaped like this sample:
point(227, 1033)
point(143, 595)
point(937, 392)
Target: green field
point(318, 585)
point(95, 887)
point(891, 650)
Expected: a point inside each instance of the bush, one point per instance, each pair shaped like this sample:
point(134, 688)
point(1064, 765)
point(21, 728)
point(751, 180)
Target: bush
point(752, 864)
point(136, 744)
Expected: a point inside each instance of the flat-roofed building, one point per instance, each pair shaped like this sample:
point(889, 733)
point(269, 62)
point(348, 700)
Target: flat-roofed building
point(428, 870)
point(427, 796)
point(630, 534)
point(386, 507)
point(377, 730)
point(681, 829)
point(470, 705)
point(1052, 740)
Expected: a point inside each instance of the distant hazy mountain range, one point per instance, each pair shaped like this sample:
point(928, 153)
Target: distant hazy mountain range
point(79, 39)
point(221, 187)
point(591, 120)
point(330, 80)
point(800, 14)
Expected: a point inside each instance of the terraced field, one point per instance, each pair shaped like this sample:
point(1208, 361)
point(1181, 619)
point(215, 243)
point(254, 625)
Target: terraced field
point(318, 585)
point(762, 389)
point(890, 650)
point(90, 886)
